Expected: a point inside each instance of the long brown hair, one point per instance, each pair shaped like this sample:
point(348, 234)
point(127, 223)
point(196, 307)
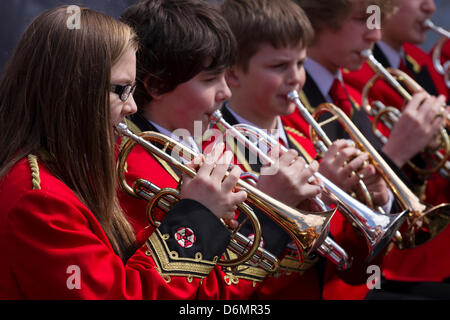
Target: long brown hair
point(54, 100)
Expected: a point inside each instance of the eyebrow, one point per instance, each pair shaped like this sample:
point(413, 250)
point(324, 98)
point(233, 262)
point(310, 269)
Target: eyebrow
point(283, 59)
point(123, 80)
point(212, 72)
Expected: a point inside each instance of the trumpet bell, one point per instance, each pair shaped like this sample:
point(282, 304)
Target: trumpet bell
point(384, 232)
point(423, 227)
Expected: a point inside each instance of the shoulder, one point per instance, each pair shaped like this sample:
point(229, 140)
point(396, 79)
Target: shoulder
point(415, 53)
point(29, 175)
point(29, 192)
point(358, 78)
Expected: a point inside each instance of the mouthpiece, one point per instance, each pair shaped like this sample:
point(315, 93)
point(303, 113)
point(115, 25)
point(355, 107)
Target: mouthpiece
point(366, 53)
point(122, 129)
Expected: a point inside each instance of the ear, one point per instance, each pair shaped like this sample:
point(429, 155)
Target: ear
point(152, 92)
point(232, 77)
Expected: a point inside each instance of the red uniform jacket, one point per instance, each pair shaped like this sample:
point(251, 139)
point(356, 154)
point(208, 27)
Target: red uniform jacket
point(54, 247)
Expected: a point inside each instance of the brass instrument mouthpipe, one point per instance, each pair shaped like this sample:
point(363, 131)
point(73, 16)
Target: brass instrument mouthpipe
point(441, 31)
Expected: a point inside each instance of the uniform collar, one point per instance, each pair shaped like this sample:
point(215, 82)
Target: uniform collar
point(322, 77)
point(393, 56)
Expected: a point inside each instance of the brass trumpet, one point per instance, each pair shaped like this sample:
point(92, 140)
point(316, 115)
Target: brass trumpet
point(305, 228)
point(403, 84)
point(423, 221)
point(328, 249)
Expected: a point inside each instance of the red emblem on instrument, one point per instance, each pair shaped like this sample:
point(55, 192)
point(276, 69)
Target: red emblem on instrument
point(185, 237)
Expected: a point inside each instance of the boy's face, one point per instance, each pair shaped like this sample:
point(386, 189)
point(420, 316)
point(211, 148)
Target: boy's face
point(193, 100)
point(342, 48)
point(272, 73)
point(406, 24)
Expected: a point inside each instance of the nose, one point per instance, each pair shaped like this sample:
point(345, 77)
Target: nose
point(296, 76)
point(428, 6)
point(130, 106)
point(223, 92)
point(373, 35)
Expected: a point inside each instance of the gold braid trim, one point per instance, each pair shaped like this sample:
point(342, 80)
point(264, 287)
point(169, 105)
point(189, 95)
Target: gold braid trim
point(416, 66)
point(291, 130)
point(290, 264)
point(36, 179)
point(243, 271)
point(168, 263)
point(304, 99)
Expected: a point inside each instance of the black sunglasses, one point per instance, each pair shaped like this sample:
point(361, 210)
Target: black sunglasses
point(123, 91)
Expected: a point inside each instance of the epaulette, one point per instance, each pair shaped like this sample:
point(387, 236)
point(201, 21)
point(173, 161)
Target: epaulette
point(35, 177)
point(415, 65)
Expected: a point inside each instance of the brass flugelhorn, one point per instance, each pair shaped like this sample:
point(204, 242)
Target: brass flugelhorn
point(403, 84)
point(328, 249)
point(305, 228)
point(423, 222)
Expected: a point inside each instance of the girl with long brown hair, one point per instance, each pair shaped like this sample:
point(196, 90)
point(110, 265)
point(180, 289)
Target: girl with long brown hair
point(62, 232)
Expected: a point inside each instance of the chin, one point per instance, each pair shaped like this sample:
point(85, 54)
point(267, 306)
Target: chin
point(288, 110)
point(419, 39)
point(355, 66)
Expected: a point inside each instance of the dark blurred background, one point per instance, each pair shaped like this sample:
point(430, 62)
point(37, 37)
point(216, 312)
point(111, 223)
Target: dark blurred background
point(15, 15)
